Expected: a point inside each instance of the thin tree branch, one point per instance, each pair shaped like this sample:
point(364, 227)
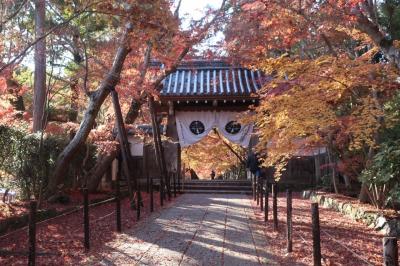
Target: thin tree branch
point(14, 14)
point(189, 45)
point(30, 45)
point(229, 147)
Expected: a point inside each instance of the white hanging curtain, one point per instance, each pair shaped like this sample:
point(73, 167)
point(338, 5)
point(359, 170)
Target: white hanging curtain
point(194, 126)
point(233, 131)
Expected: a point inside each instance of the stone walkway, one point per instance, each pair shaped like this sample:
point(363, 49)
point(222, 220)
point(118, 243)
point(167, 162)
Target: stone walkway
point(199, 229)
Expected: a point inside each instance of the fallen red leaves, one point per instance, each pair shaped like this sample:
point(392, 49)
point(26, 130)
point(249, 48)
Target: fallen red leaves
point(19, 208)
point(62, 238)
point(343, 241)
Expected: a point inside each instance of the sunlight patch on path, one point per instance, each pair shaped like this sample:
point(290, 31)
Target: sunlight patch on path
point(200, 229)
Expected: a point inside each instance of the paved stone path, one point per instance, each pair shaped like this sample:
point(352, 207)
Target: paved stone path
point(199, 229)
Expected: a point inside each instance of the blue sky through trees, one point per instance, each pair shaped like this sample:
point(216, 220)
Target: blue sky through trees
point(195, 9)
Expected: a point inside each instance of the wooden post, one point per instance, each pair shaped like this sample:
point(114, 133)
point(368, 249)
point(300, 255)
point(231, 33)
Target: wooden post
point(174, 175)
point(253, 180)
point(169, 187)
point(316, 234)
point(266, 201)
point(139, 203)
point(258, 190)
point(125, 150)
point(165, 190)
point(159, 150)
point(161, 192)
point(118, 198)
point(289, 220)
point(317, 164)
point(179, 166)
point(86, 218)
point(145, 170)
point(32, 234)
point(151, 196)
point(261, 194)
point(275, 205)
point(390, 251)
point(147, 182)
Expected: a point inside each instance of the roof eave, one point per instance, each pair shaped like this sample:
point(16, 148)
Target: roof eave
point(207, 97)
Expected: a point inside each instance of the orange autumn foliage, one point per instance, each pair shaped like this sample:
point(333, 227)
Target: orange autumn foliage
point(315, 54)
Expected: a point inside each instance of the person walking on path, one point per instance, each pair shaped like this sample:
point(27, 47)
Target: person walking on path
point(253, 164)
point(212, 174)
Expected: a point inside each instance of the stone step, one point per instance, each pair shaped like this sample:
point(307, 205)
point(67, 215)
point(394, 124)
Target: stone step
point(202, 187)
point(216, 192)
point(218, 186)
point(218, 183)
point(213, 186)
point(219, 180)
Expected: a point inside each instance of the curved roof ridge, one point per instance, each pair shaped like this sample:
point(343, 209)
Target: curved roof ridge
point(212, 78)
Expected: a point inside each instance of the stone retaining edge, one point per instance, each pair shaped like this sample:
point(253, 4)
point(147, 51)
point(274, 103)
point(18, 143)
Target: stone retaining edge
point(387, 226)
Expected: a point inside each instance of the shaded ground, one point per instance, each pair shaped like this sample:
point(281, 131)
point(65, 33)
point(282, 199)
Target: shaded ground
point(343, 241)
point(62, 238)
point(18, 208)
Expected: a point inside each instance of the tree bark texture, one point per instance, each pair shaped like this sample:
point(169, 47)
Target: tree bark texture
point(179, 167)
point(289, 223)
point(39, 94)
point(118, 199)
point(158, 145)
point(102, 165)
point(136, 104)
point(275, 205)
point(242, 160)
point(364, 196)
point(390, 251)
point(97, 98)
point(316, 234)
point(73, 112)
point(133, 111)
point(32, 234)
point(379, 38)
point(125, 151)
point(266, 201)
point(317, 164)
point(332, 163)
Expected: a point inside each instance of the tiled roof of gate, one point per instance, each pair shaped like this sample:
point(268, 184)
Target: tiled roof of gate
point(212, 78)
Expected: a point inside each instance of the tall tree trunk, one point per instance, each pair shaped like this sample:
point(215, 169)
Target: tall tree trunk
point(133, 111)
point(317, 165)
point(332, 162)
point(379, 38)
point(364, 197)
point(347, 181)
point(103, 163)
point(39, 98)
point(136, 104)
point(96, 100)
point(125, 150)
point(73, 112)
point(242, 160)
point(160, 157)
